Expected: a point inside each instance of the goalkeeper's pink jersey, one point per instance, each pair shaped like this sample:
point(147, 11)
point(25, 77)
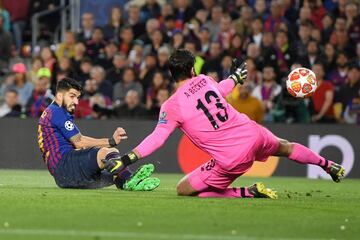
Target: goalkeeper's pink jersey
point(200, 110)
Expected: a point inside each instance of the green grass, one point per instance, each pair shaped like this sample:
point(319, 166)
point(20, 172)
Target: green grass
point(32, 207)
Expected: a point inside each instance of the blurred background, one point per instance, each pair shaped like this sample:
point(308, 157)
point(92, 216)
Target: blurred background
point(119, 50)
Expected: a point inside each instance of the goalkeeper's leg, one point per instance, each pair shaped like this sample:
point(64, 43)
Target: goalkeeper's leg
point(210, 180)
point(304, 155)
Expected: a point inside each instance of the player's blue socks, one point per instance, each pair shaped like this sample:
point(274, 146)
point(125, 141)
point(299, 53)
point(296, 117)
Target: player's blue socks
point(123, 175)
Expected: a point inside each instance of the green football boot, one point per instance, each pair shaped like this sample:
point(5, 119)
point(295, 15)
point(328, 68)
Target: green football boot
point(141, 181)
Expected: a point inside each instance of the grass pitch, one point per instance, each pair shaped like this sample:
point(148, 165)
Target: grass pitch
point(32, 207)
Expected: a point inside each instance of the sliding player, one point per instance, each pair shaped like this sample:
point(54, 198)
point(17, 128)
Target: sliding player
point(75, 160)
point(199, 109)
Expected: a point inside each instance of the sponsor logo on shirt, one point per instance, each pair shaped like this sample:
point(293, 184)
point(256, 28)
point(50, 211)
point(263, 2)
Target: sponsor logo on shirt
point(69, 125)
point(162, 118)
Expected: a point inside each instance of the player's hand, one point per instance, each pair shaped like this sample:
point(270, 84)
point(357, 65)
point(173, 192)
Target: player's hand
point(238, 71)
point(119, 135)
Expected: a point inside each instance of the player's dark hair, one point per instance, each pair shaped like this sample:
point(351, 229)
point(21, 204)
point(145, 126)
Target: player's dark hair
point(67, 83)
point(180, 64)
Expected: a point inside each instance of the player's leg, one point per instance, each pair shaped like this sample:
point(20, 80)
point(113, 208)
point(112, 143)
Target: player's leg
point(138, 181)
point(210, 180)
point(304, 155)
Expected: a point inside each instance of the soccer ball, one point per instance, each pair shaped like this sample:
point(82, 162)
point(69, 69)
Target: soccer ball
point(301, 82)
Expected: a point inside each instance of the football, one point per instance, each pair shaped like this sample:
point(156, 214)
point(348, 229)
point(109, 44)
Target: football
point(301, 82)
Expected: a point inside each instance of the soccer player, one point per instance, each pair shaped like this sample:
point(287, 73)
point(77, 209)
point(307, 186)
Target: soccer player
point(234, 142)
point(76, 160)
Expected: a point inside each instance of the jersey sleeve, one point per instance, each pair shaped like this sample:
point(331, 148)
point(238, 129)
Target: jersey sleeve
point(168, 121)
point(226, 86)
point(66, 125)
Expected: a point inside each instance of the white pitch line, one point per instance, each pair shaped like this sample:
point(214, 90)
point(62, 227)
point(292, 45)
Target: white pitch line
point(133, 235)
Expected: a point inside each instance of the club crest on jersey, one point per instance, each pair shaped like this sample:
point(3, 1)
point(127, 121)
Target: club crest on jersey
point(162, 118)
point(69, 125)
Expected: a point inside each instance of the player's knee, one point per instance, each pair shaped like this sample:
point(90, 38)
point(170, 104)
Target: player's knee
point(105, 151)
point(285, 147)
point(181, 189)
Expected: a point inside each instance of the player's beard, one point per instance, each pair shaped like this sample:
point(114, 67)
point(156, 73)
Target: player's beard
point(69, 107)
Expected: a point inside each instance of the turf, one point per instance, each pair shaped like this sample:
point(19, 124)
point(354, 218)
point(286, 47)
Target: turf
point(32, 207)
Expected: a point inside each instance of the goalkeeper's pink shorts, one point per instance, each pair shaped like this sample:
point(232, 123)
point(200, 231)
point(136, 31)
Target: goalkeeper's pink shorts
point(213, 175)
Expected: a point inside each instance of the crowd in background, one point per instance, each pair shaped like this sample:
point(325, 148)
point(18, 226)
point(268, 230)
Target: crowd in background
point(123, 64)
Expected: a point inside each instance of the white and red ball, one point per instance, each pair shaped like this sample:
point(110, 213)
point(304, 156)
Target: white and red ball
point(301, 82)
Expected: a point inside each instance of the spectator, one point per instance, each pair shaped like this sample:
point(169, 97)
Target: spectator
point(256, 31)
point(353, 22)
point(132, 107)
point(95, 47)
point(162, 95)
point(214, 23)
point(254, 77)
point(126, 39)
point(5, 45)
point(205, 40)
point(236, 48)
point(65, 66)
point(115, 73)
point(92, 101)
point(105, 87)
point(304, 34)
point(163, 60)
point(338, 75)
point(106, 61)
point(128, 83)
point(85, 68)
point(67, 48)
point(79, 55)
point(330, 57)
point(87, 27)
point(5, 16)
point(313, 54)
point(350, 90)
point(168, 27)
point(214, 60)
point(19, 17)
point(260, 9)
point(226, 64)
point(136, 55)
point(242, 100)
point(226, 32)
point(41, 97)
point(268, 92)
point(47, 56)
point(156, 42)
point(158, 82)
point(45, 75)
point(151, 9)
point(276, 17)
point(328, 28)
point(148, 69)
point(112, 28)
point(285, 55)
point(151, 25)
point(21, 85)
point(36, 64)
point(323, 97)
point(134, 20)
point(178, 40)
point(268, 52)
point(243, 24)
point(183, 12)
point(11, 106)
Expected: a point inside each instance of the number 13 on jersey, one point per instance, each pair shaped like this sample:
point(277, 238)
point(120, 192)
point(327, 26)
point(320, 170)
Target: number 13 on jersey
point(222, 115)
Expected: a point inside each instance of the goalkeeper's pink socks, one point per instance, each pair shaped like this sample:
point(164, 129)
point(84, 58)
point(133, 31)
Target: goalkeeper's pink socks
point(242, 192)
point(304, 155)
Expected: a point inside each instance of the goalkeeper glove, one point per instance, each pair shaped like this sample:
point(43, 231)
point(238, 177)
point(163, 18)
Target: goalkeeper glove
point(238, 72)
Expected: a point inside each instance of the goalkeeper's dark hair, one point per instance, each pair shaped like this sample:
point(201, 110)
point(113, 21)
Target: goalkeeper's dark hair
point(67, 83)
point(181, 62)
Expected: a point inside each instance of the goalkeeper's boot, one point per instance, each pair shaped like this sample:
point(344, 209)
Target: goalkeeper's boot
point(138, 177)
point(336, 171)
point(148, 184)
point(258, 190)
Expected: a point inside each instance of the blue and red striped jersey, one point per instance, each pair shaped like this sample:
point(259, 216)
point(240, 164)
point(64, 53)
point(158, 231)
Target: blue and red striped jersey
point(56, 127)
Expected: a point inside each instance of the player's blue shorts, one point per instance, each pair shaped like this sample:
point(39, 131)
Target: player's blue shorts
point(79, 169)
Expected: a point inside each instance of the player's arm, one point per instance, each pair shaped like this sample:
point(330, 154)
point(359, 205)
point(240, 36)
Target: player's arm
point(81, 141)
point(238, 76)
point(329, 97)
point(168, 121)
